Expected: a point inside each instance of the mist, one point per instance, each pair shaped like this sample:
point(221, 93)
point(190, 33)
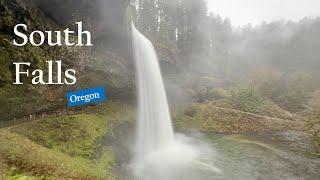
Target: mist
point(212, 52)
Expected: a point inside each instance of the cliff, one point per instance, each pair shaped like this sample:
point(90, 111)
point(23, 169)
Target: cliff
point(107, 63)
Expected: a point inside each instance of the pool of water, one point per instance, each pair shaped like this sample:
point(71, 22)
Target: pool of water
point(276, 156)
point(239, 157)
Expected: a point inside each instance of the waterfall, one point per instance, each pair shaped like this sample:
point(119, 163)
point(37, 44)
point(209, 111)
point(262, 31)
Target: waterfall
point(154, 122)
point(159, 154)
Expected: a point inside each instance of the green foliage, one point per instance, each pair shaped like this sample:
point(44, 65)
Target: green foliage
point(73, 135)
point(247, 100)
point(14, 99)
point(68, 146)
point(257, 104)
point(78, 135)
point(207, 117)
point(12, 174)
point(291, 92)
point(26, 99)
point(190, 111)
point(184, 119)
point(313, 125)
point(249, 104)
point(312, 121)
point(28, 156)
point(212, 94)
point(30, 99)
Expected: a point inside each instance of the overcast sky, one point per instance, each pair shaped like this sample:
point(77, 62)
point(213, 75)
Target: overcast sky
point(242, 12)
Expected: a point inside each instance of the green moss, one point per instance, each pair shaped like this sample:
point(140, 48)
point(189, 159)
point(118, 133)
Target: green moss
point(253, 103)
point(12, 174)
point(68, 146)
point(28, 156)
point(27, 12)
point(210, 118)
point(21, 177)
point(74, 135)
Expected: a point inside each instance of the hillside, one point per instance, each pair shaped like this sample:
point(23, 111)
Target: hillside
point(65, 147)
point(208, 117)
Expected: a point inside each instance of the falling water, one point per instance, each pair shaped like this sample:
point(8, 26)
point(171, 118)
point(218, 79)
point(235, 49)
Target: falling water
point(158, 154)
point(154, 126)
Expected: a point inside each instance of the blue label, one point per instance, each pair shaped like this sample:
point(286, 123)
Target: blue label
point(86, 96)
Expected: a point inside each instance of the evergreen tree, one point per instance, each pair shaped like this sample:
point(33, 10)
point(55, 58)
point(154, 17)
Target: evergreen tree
point(148, 16)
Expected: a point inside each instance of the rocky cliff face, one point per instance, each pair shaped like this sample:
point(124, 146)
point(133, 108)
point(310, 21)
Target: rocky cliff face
point(107, 63)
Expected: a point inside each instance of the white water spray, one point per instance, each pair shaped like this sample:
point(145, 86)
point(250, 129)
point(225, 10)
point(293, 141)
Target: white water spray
point(154, 126)
point(158, 154)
